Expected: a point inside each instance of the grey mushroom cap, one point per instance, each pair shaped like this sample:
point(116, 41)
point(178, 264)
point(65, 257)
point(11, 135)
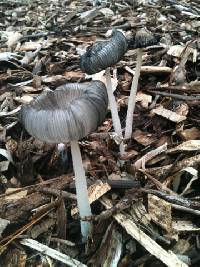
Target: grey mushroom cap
point(144, 38)
point(69, 113)
point(104, 54)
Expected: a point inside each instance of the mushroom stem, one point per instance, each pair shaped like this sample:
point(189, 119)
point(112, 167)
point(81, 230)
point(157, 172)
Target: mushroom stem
point(132, 97)
point(81, 188)
point(113, 108)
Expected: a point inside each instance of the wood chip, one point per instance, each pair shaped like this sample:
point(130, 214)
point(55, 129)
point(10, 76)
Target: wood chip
point(191, 145)
point(189, 134)
point(168, 114)
point(56, 255)
point(140, 163)
point(160, 212)
point(95, 191)
point(167, 257)
point(185, 226)
point(143, 138)
point(15, 196)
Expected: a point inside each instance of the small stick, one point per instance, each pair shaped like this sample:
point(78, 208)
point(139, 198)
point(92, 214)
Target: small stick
point(177, 96)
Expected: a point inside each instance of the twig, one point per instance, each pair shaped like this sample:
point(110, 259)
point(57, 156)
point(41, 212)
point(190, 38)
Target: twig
point(56, 192)
point(177, 96)
point(175, 199)
point(182, 208)
point(104, 215)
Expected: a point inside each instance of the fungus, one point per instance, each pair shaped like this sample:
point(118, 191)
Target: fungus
point(142, 38)
point(101, 56)
point(68, 114)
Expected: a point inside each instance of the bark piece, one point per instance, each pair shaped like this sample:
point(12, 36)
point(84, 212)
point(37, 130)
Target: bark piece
point(190, 145)
point(52, 253)
point(95, 191)
point(160, 212)
point(168, 114)
point(110, 249)
point(185, 226)
point(167, 257)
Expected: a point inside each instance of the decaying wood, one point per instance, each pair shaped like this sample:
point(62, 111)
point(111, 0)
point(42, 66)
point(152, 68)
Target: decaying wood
point(191, 161)
point(22, 208)
point(15, 256)
point(7, 240)
point(25, 204)
point(140, 164)
point(95, 191)
point(110, 250)
point(160, 212)
point(168, 114)
point(41, 43)
point(104, 215)
point(174, 198)
point(51, 253)
point(167, 257)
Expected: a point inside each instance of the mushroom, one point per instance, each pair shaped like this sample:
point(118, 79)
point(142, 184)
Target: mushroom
point(68, 114)
point(100, 56)
point(142, 38)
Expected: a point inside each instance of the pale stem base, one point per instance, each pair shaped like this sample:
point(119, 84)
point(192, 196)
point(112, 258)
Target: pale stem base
point(132, 97)
point(81, 188)
point(113, 108)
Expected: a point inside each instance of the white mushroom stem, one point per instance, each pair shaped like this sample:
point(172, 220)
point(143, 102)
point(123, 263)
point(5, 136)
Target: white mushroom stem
point(132, 97)
point(113, 108)
point(81, 188)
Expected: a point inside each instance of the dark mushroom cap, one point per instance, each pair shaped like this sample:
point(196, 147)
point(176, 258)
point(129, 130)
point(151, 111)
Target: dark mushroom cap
point(104, 54)
point(69, 113)
point(144, 38)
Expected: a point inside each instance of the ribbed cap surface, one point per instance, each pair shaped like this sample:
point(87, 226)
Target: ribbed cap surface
point(69, 113)
point(144, 38)
point(104, 54)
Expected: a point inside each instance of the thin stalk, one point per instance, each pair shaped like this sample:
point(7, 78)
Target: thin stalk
point(81, 188)
point(132, 97)
point(113, 108)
